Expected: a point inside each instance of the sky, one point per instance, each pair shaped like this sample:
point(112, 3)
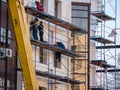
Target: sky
point(110, 10)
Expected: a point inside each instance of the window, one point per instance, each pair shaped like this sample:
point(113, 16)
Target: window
point(56, 8)
point(43, 55)
point(58, 12)
point(57, 64)
point(80, 15)
point(2, 34)
point(5, 34)
point(2, 86)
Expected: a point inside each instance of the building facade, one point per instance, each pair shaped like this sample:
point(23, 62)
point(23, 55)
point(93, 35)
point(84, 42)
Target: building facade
point(66, 21)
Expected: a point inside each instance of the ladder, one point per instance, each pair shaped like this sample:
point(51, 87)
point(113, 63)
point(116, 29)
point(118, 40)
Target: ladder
point(21, 32)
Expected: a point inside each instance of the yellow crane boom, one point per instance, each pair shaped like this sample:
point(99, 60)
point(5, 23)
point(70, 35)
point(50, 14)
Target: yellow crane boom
point(21, 32)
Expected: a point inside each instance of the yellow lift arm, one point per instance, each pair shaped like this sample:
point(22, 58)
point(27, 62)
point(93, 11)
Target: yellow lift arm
point(21, 30)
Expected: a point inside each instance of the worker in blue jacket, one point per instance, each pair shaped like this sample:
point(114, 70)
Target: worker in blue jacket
point(58, 54)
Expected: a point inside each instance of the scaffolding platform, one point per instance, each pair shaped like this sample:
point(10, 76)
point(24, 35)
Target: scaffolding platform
point(108, 47)
point(101, 40)
point(82, 51)
point(77, 73)
point(79, 59)
point(101, 63)
point(109, 70)
point(94, 88)
point(53, 19)
point(59, 78)
point(55, 48)
point(102, 15)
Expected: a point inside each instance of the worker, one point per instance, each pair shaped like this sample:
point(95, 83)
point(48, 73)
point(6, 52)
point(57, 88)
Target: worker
point(34, 27)
point(39, 6)
point(58, 54)
point(41, 32)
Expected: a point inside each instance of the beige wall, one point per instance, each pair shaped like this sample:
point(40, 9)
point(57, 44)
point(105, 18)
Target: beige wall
point(61, 34)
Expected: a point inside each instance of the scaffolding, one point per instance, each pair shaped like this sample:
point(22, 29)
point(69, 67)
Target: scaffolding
point(103, 58)
point(74, 29)
point(79, 54)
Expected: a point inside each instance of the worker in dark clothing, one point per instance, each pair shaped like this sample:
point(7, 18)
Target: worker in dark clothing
point(39, 6)
point(61, 45)
point(58, 54)
point(40, 28)
point(34, 27)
